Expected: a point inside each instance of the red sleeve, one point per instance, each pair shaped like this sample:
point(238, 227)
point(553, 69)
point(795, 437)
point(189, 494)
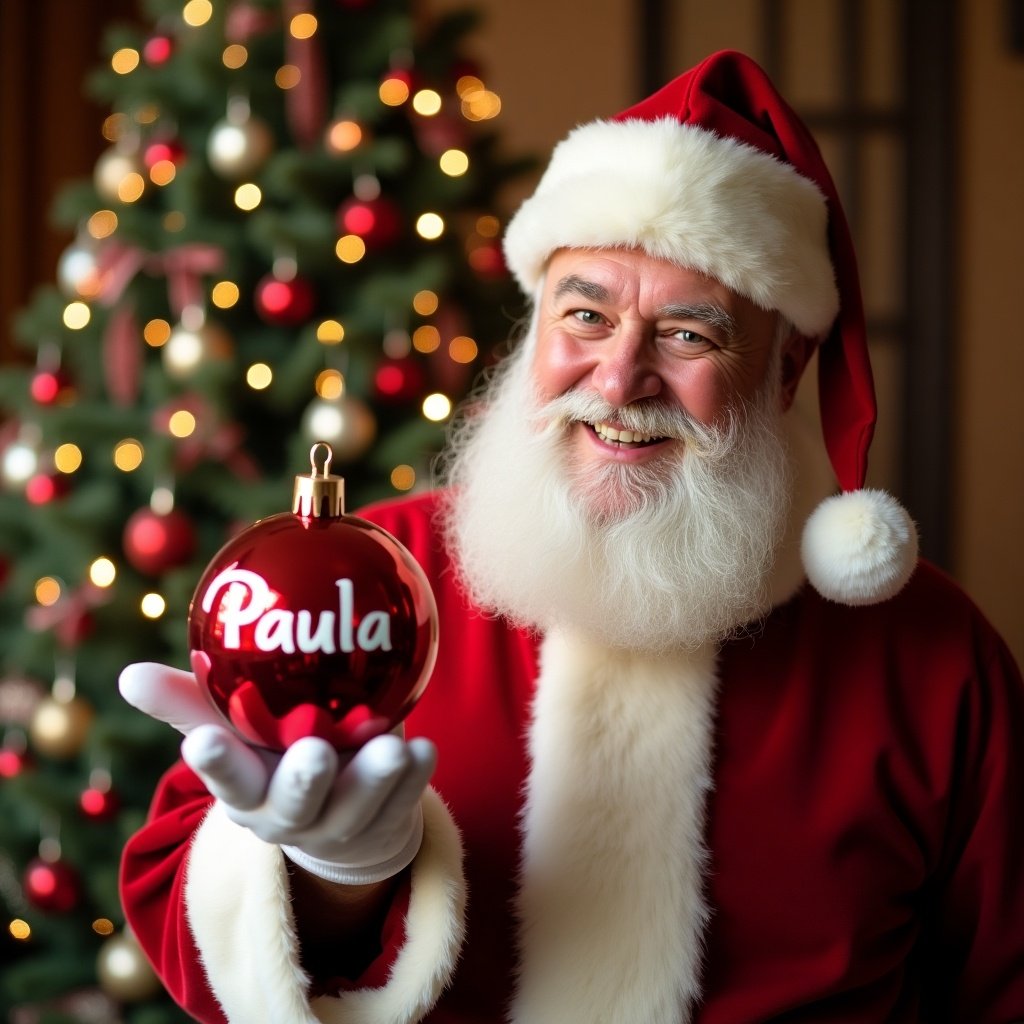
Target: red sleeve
point(152, 890)
point(979, 935)
point(153, 870)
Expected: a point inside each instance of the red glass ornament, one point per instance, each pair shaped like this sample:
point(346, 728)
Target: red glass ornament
point(488, 260)
point(51, 885)
point(12, 762)
point(45, 487)
point(48, 387)
point(164, 149)
point(399, 380)
point(99, 804)
point(285, 303)
point(377, 222)
point(313, 624)
point(157, 50)
point(154, 542)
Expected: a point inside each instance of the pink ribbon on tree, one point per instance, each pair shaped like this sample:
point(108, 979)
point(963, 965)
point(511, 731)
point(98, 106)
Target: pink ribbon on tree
point(69, 617)
point(213, 439)
point(306, 101)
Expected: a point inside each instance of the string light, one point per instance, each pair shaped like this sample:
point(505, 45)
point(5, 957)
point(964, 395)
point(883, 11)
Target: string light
point(224, 294)
point(125, 60)
point(330, 332)
point(114, 126)
point(393, 91)
point(259, 376)
point(287, 76)
point(425, 302)
point(128, 455)
point(454, 162)
point(467, 84)
point(343, 136)
point(156, 333)
point(76, 315)
point(174, 220)
point(426, 102)
point(350, 249)
point(248, 196)
point(197, 12)
point(102, 224)
point(67, 458)
point(462, 349)
point(480, 105)
point(426, 339)
point(234, 56)
point(103, 926)
point(329, 384)
point(488, 226)
point(403, 478)
point(47, 591)
point(152, 606)
point(20, 930)
point(131, 187)
point(302, 26)
point(437, 407)
point(162, 172)
point(181, 423)
point(102, 572)
point(429, 226)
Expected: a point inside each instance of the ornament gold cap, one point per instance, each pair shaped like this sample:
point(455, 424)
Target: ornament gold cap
point(319, 495)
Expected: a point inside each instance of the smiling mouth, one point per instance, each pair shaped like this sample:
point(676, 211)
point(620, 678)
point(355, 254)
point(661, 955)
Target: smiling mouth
point(623, 438)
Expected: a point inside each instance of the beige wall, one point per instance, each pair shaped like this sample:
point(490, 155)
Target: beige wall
point(554, 67)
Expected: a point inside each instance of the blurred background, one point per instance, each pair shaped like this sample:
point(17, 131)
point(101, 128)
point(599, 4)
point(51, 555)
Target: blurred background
point(917, 104)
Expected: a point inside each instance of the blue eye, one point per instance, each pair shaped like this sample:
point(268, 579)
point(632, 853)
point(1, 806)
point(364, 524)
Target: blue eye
point(588, 316)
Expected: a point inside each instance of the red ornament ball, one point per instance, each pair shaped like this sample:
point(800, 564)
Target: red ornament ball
point(399, 380)
point(99, 804)
point(43, 488)
point(377, 222)
point(51, 387)
point(307, 625)
point(163, 150)
point(52, 886)
point(154, 542)
point(12, 762)
point(284, 303)
point(488, 260)
point(158, 50)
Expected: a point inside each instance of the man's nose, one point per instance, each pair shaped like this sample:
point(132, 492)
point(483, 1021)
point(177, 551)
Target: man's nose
point(625, 371)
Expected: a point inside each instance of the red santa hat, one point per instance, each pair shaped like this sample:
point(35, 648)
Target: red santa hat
point(716, 172)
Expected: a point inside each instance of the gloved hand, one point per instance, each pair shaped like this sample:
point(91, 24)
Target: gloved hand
point(352, 823)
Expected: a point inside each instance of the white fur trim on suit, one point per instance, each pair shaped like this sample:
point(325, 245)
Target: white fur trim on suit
point(859, 547)
point(684, 194)
point(611, 904)
point(243, 926)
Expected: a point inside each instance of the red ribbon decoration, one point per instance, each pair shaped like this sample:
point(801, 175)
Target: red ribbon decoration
point(306, 101)
point(212, 439)
point(68, 617)
point(122, 355)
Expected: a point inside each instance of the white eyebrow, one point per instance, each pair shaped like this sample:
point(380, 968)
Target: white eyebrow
point(705, 312)
point(581, 286)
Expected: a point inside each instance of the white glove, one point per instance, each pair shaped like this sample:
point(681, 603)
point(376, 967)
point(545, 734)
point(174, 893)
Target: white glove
point(352, 823)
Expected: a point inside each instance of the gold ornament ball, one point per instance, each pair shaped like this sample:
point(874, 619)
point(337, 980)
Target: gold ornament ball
point(237, 148)
point(58, 728)
point(346, 424)
point(111, 169)
point(124, 972)
point(186, 350)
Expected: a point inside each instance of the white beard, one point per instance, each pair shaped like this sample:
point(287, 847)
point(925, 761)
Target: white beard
point(638, 557)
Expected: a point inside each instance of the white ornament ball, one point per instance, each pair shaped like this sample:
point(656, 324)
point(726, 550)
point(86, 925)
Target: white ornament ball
point(346, 424)
point(237, 148)
point(78, 272)
point(124, 972)
point(187, 349)
point(111, 170)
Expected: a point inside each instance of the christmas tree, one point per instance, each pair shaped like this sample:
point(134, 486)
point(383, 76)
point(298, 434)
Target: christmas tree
point(293, 237)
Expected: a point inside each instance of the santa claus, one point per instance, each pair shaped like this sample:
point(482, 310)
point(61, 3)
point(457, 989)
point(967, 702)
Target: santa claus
point(704, 742)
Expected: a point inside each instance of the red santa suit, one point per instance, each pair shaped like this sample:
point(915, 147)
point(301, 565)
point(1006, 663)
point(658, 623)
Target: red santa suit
point(828, 828)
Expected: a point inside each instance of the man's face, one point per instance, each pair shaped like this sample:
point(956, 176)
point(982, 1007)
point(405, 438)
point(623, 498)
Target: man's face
point(629, 327)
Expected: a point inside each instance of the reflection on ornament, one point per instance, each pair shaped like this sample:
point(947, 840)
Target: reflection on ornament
point(236, 148)
point(154, 543)
point(51, 885)
point(124, 972)
point(188, 349)
point(59, 727)
point(286, 303)
point(346, 424)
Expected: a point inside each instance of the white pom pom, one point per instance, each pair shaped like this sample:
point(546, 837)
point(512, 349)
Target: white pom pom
point(859, 547)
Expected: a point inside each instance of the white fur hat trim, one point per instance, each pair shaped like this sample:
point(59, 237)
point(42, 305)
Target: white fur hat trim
point(684, 194)
point(859, 547)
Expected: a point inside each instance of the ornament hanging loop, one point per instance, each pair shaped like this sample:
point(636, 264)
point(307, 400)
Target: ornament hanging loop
point(319, 495)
